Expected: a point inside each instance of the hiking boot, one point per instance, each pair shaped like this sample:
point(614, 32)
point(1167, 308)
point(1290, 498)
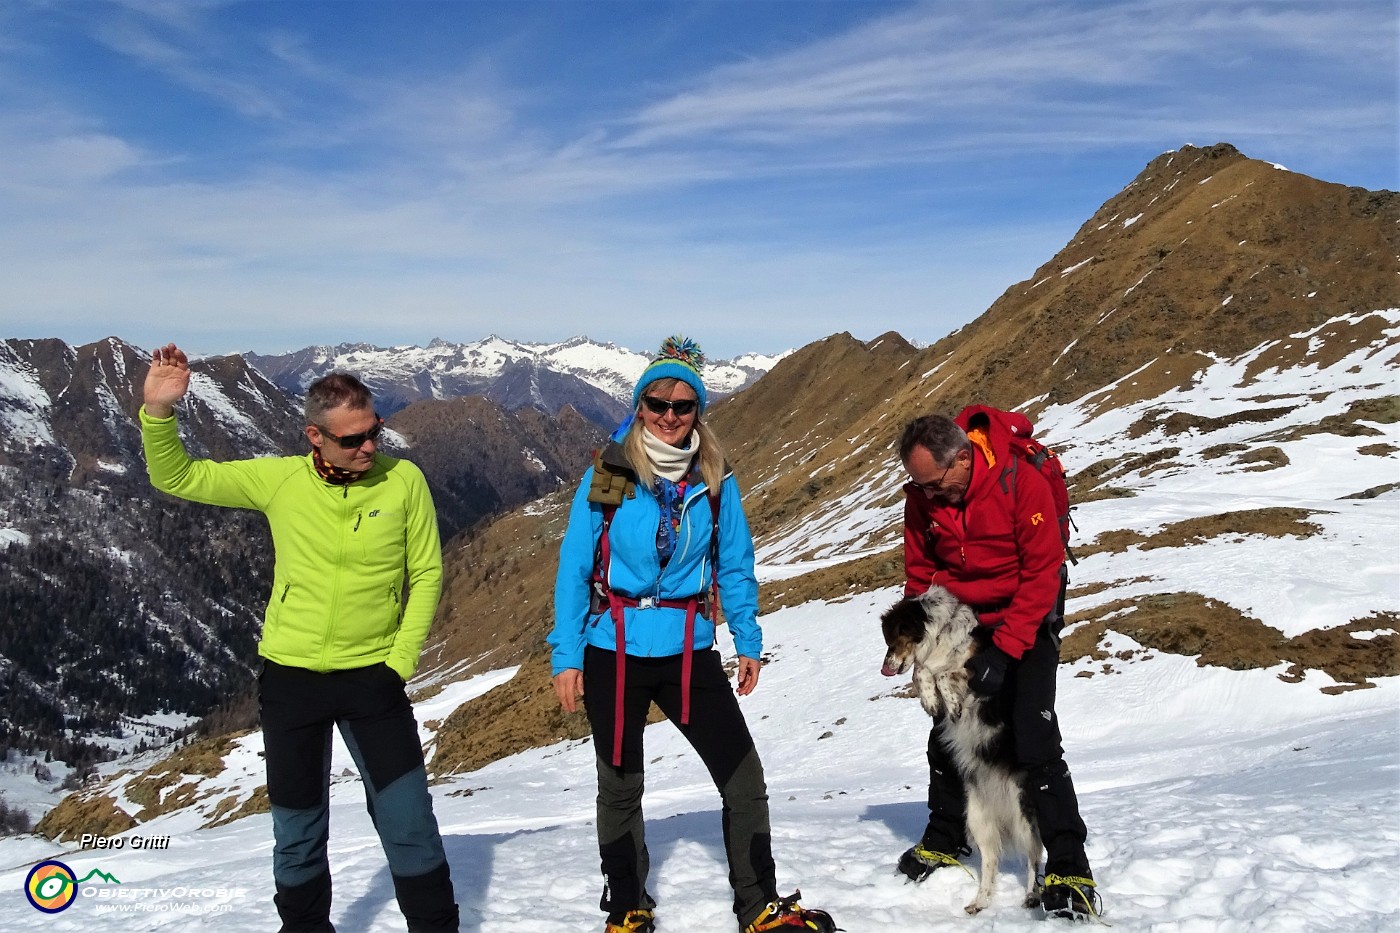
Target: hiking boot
point(1070, 897)
point(918, 863)
point(632, 921)
point(786, 912)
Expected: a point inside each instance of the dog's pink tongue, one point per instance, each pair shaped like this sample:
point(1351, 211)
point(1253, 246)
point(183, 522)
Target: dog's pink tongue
point(888, 669)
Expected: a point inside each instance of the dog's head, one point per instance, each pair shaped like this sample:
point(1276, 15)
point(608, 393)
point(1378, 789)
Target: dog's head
point(933, 629)
point(903, 627)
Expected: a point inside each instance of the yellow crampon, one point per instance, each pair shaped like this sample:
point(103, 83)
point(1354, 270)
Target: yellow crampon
point(1079, 885)
point(941, 858)
point(635, 921)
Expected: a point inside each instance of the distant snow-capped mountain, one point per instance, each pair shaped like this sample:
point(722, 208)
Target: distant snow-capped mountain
point(596, 379)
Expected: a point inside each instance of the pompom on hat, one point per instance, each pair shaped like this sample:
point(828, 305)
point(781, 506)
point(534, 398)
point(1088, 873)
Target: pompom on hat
point(679, 358)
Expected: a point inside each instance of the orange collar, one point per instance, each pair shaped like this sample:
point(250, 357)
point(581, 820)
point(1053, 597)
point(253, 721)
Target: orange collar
point(979, 437)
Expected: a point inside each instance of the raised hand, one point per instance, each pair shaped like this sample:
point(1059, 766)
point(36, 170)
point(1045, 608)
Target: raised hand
point(167, 381)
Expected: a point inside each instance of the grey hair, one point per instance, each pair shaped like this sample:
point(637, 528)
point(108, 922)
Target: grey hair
point(335, 390)
point(938, 434)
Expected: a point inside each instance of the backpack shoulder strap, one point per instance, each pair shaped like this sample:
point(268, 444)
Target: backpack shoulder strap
point(610, 484)
point(601, 552)
point(1007, 479)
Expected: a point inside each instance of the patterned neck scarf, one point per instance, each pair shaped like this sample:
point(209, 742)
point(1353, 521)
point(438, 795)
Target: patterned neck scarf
point(671, 465)
point(670, 496)
point(336, 476)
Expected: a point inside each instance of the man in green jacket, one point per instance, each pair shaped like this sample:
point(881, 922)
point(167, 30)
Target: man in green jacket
point(358, 571)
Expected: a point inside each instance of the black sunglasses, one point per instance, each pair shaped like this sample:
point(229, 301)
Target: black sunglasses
point(681, 406)
point(354, 441)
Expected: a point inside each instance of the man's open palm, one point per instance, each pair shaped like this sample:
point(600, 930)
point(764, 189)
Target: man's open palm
point(167, 381)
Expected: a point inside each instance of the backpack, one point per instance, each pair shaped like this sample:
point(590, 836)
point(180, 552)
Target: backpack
point(1026, 448)
point(1047, 463)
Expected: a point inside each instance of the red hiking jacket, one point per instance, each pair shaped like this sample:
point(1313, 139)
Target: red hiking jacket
point(1000, 549)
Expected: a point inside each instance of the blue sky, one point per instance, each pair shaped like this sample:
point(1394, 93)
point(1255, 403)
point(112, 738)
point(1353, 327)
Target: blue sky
point(268, 175)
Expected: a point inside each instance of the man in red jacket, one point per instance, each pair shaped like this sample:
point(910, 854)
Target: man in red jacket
point(980, 521)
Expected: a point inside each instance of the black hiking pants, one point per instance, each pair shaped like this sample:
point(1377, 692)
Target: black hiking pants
point(717, 731)
point(375, 719)
point(1027, 698)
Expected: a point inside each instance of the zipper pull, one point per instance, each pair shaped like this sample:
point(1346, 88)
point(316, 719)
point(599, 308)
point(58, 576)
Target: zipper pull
point(358, 516)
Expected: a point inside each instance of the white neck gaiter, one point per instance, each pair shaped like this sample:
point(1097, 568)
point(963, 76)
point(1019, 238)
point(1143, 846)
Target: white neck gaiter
point(669, 462)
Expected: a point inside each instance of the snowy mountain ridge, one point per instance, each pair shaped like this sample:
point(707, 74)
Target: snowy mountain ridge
point(443, 369)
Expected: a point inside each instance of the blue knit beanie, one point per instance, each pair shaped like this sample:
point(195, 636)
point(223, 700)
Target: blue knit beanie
point(679, 358)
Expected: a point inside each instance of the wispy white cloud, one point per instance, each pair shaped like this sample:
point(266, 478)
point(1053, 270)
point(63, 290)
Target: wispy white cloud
point(999, 70)
point(178, 40)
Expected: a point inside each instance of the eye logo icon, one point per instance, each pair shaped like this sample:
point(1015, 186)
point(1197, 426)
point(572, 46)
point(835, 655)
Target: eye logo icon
point(51, 887)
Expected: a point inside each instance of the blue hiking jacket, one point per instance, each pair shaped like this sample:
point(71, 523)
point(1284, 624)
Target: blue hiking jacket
point(635, 570)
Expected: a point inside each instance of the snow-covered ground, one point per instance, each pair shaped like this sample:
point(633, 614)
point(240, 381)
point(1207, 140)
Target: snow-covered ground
point(1216, 800)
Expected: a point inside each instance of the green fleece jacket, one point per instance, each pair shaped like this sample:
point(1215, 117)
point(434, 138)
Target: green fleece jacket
point(358, 568)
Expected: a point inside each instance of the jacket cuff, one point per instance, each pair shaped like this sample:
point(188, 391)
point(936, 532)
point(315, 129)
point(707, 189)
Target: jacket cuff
point(559, 664)
point(749, 649)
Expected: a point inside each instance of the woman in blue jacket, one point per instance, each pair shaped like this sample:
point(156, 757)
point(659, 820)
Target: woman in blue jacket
point(655, 526)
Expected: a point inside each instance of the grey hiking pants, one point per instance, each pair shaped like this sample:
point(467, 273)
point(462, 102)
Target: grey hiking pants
point(717, 732)
point(375, 718)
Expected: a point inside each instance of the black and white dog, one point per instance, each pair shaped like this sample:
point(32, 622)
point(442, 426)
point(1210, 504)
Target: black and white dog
point(935, 634)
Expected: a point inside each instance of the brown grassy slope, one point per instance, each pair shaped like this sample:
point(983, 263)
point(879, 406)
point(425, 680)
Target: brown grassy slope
point(483, 460)
point(795, 435)
point(1208, 225)
point(498, 590)
point(1221, 636)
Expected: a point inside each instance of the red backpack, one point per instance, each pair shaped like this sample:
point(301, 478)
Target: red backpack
point(1047, 463)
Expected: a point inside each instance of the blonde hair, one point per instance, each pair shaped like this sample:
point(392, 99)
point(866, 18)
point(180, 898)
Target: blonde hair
point(711, 451)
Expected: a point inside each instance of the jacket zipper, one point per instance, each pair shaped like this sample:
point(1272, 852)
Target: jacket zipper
point(962, 538)
point(342, 547)
point(695, 493)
